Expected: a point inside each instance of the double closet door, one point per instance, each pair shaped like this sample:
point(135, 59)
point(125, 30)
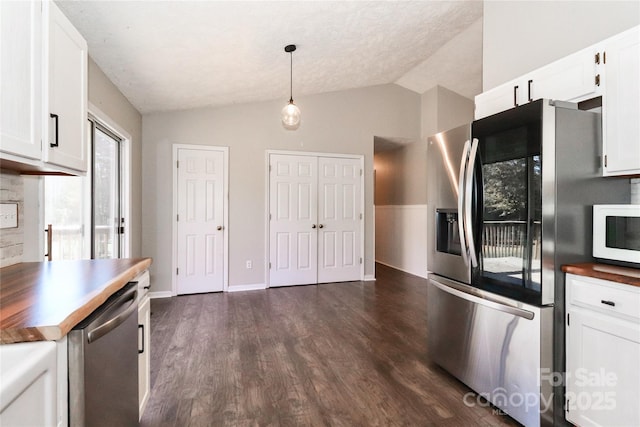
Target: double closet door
point(315, 219)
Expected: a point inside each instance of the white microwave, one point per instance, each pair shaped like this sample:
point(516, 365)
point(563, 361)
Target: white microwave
point(616, 233)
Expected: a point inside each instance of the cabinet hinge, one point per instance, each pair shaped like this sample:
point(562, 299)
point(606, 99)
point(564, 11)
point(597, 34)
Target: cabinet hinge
point(178, 218)
point(360, 260)
point(269, 266)
point(597, 79)
point(360, 172)
point(605, 160)
point(597, 57)
point(269, 216)
point(360, 216)
point(177, 271)
point(177, 164)
point(269, 168)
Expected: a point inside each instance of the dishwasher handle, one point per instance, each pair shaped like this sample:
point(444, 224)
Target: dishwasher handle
point(108, 326)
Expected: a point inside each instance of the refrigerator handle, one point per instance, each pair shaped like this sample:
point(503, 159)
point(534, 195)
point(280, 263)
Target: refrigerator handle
point(461, 226)
point(468, 194)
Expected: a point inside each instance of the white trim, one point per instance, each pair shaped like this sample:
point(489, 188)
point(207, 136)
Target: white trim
point(370, 278)
point(174, 223)
point(268, 154)
point(242, 288)
point(126, 172)
point(404, 271)
point(160, 294)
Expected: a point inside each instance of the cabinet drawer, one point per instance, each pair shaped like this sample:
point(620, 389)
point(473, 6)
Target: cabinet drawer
point(604, 296)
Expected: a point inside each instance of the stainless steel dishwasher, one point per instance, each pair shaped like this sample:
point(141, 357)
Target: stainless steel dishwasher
point(103, 364)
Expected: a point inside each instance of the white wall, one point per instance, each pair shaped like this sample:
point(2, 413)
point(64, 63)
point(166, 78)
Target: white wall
point(337, 122)
point(520, 36)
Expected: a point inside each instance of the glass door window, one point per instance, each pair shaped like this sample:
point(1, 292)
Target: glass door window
point(85, 213)
point(107, 218)
point(510, 233)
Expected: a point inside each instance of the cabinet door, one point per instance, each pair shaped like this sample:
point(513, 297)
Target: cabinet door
point(21, 78)
point(572, 78)
point(603, 373)
point(500, 98)
point(144, 353)
point(621, 104)
point(66, 118)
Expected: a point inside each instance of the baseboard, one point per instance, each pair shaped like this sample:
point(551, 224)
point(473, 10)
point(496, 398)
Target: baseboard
point(160, 294)
point(369, 277)
point(242, 288)
point(403, 270)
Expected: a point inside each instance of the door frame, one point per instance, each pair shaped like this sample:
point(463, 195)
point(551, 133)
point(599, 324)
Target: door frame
point(174, 223)
point(267, 182)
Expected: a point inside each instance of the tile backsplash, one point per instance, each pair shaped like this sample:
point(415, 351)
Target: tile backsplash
point(12, 239)
point(635, 191)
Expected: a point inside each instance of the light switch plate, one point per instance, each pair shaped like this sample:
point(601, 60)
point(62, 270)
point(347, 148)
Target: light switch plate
point(8, 215)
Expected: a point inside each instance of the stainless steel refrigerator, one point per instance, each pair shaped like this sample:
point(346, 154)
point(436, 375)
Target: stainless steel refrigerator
point(510, 199)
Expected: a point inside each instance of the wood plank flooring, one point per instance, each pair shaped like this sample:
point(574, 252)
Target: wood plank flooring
point(339, 354)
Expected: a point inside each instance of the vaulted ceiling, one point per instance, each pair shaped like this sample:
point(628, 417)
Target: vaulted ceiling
point(172, 55)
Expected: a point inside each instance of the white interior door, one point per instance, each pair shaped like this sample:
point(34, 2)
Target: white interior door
point(200, 227)
point(339, 216)
point(293, 237)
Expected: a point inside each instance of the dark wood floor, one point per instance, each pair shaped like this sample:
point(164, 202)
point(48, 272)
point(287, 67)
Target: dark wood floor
point(342, 354)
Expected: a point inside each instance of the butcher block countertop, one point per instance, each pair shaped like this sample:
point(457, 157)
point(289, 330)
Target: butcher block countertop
point(43, 301)
point(613, 273)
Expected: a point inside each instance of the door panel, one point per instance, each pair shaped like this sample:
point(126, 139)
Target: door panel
point(293, 209)
point(200, 251)
point(339, 216)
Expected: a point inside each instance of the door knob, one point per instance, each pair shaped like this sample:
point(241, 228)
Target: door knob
point(321, 226)
point(219, 227)
point(313, 226)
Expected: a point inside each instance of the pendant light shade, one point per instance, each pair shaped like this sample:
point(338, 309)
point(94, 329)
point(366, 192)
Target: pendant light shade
point(291, 112)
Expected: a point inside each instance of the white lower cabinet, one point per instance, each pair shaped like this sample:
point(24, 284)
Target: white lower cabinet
point(144, 341)
point(602, 353)
point(144, 322)
point(29, 385)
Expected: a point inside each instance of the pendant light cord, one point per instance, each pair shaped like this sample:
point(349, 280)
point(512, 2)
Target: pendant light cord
point(291, 79)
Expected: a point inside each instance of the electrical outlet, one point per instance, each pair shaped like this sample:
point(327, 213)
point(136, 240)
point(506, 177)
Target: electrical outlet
point(8, 215)
point(249, 264)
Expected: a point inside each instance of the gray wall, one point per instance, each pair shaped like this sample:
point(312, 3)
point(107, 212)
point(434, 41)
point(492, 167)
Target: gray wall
point(336, 122)
point(520, 36)
point(401, 175)
point(108, 98)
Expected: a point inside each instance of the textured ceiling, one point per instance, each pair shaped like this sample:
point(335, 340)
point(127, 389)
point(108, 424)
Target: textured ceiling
point(170, 55)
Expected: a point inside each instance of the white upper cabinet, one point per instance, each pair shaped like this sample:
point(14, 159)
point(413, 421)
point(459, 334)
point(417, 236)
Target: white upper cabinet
point(21, 78)
point(573, 78)
point(43, 107)
point(66, 93)
point(621, 104)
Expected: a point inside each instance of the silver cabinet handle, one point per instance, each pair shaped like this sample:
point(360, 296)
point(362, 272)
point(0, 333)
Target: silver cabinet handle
point(108, 326)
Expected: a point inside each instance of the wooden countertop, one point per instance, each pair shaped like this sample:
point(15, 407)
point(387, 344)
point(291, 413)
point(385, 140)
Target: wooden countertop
point(613, 273)
point(43, 301)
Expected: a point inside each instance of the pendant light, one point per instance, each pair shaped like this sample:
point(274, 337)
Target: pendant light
point(291, 112)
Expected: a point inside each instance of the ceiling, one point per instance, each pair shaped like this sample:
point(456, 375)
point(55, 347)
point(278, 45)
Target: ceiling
point(173, 55)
